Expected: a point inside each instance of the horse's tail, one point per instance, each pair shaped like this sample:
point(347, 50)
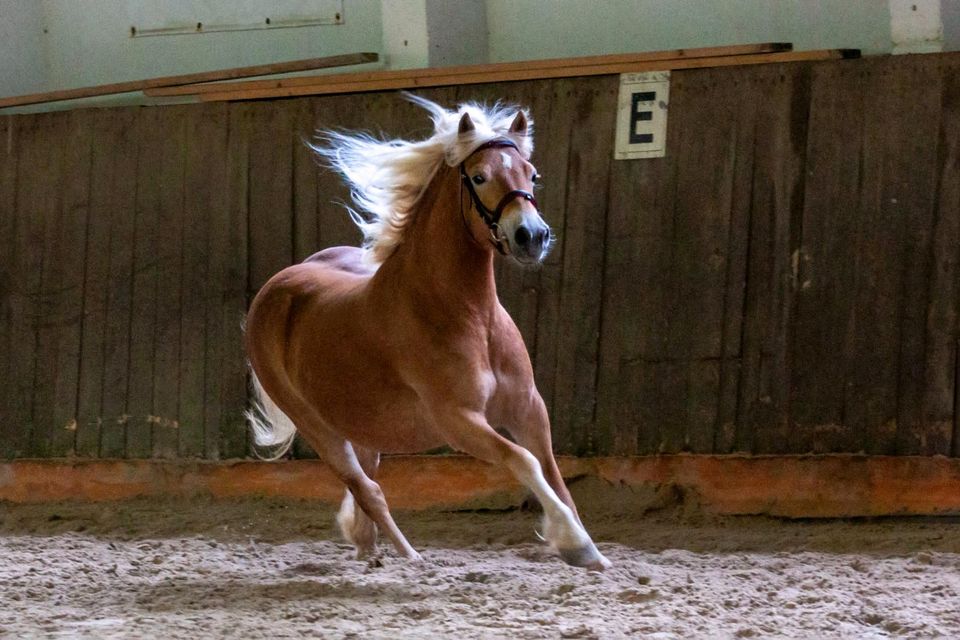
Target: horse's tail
point(271, 427)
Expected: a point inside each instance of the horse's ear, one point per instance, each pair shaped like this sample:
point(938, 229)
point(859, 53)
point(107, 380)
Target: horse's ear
point(519, 125)
point(466, 124)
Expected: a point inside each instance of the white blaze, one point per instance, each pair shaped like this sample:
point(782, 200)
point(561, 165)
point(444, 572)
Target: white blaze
point(507, 160)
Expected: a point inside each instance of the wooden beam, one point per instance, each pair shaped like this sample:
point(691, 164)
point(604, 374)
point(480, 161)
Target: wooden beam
point(191, 78)
point(527, 65)
point(825, 486)
point(334, 84)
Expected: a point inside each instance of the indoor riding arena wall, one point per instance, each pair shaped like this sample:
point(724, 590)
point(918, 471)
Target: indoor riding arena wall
point(785, 281)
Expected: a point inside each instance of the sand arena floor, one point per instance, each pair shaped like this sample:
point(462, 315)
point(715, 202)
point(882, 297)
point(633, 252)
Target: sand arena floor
point(270, 568)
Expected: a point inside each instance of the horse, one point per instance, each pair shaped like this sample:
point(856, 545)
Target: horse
point(401, 345)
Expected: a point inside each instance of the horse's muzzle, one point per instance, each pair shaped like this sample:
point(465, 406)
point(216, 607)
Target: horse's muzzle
point(531, 241)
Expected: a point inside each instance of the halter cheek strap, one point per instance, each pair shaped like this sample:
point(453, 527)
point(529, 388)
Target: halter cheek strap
point(492, 217)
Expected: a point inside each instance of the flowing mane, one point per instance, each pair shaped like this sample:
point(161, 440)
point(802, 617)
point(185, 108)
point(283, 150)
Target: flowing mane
point(388, 177)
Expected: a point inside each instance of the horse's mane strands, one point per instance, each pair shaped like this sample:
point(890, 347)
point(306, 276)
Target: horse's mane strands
point(388, 177)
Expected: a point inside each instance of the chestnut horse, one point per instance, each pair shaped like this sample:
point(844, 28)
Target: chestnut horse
point(403, 346)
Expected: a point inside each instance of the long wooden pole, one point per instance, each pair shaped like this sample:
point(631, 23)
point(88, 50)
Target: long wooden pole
point(191, 78)
point(325, 86)
point(527, 65)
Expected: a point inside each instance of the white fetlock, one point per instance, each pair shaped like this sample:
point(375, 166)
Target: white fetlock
point(346, 518)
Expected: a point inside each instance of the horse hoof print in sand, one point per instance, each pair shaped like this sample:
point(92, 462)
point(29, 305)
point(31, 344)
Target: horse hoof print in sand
point(402, 346)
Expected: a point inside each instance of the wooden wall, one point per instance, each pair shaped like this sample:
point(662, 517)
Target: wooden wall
point(784, 281)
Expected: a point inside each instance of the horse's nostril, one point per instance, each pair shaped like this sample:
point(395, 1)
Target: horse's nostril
point(542, 236)
point(522, 236)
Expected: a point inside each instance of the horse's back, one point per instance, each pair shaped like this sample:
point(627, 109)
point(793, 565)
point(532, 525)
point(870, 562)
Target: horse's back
point(328, 283)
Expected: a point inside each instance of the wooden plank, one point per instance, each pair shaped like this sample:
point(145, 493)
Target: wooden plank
point(65, 209)
point(24, 297)
point(871, 350)
point(45, 206)
point(146, 271)
point(305, 170)
point(28, 357)
point(579, 320)
point(914, 86)
point(941, 404)
point(547, 63)
point(195, 281)
point(170, 255)
point(681, 247)
point(955, 446)
point(782, 96)
point(214, 139)
point(699, 262)
point(233, 370)
point(412, 81)
point(271, 195)
point(119, 310)
point(637, 276)
point(9, 156)
point(882, 405)
point(190, 78)
point(746, 90)
point(826, 259)
point(106, 132)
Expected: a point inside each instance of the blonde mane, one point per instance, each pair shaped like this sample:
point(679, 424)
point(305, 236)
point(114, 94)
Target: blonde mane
point(388, 177)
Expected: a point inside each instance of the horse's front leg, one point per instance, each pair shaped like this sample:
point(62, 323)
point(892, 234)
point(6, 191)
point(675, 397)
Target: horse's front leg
point(531, 430)
point(468, 431)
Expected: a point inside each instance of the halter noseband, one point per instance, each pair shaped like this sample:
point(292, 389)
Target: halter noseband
point(492, 218)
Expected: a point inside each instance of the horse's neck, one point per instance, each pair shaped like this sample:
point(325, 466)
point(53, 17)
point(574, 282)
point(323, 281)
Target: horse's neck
point(439, 258)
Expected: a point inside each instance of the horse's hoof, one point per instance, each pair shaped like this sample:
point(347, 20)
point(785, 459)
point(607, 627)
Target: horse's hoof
point(366, 554)
point(586, 556)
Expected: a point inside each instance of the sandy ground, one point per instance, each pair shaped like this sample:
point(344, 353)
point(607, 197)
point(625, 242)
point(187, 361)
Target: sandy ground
point(268, 568)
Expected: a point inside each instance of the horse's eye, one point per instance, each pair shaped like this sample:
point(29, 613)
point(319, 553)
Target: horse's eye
point(478, 179)
point(536, 178)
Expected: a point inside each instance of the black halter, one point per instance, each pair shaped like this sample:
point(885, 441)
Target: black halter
point(492, 218)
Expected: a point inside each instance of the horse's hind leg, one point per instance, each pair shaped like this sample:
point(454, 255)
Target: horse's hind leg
point(356, 526)
point(342, 458)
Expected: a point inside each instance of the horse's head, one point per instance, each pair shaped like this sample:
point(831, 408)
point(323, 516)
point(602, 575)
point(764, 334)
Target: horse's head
point(500, 182)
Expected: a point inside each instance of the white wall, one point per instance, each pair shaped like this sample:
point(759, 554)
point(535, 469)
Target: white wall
point(46, 45)
point(58, 44)
point(89, 43)
point(22, 67)
point(528, 29)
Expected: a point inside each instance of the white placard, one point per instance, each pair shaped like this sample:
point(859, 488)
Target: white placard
point(642, 115)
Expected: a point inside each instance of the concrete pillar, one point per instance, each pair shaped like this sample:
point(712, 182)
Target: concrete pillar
point(434, 33)
point(457, 32)
point(950, 19)
point(405, 33)
point(916, 26)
